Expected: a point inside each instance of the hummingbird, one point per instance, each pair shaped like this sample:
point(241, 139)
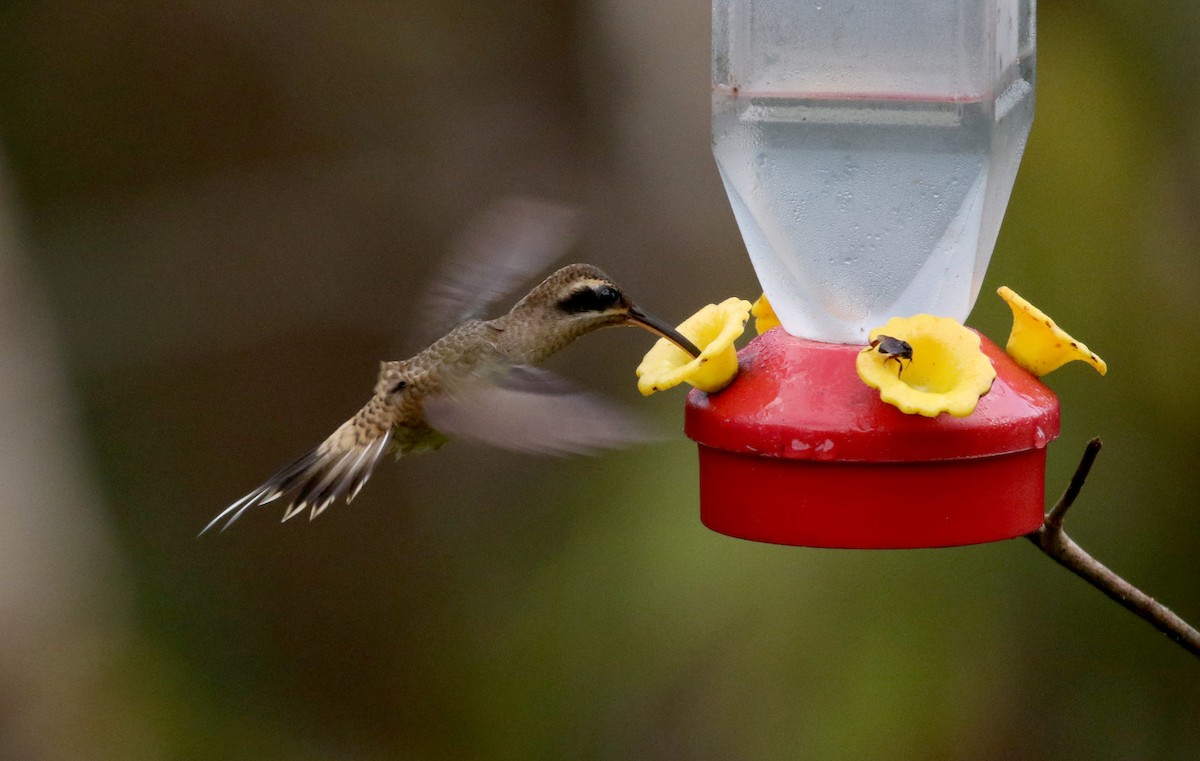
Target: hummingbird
point(478, 378)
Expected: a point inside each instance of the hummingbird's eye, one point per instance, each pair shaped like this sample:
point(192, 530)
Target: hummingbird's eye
point(595, 298)
point(608, 296)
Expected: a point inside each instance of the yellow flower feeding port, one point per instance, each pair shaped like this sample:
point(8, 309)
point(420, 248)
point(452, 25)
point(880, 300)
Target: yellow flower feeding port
point(764, 316)
point(944, 369)
point(1038, 344)
point(713, 329)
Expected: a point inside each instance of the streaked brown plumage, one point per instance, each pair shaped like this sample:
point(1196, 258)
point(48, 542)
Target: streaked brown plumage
point(478, 376)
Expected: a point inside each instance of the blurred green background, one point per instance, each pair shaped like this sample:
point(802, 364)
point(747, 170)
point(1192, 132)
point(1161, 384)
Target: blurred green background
point(216, 216)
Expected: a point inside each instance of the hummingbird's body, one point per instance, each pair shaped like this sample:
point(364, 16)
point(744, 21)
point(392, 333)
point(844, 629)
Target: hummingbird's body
point(480, 370)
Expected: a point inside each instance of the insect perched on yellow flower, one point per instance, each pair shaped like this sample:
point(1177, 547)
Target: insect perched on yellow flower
point(946, 370)
point(892, 349)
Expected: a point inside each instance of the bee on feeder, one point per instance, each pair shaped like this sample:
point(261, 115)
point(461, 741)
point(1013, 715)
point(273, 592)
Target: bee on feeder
point(892, 349)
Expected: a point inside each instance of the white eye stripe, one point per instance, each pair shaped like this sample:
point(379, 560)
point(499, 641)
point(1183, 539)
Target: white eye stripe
point(579, 285)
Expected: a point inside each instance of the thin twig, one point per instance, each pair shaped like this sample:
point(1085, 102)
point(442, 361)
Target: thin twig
point(1053, 541)
point(1057, 513)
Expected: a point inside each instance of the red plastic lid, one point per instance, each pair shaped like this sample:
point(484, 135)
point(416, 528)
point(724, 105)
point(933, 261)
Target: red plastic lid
point(798, 450)
point(800, 399)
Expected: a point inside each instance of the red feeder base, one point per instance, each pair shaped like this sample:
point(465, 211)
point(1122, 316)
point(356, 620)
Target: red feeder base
point(800, 451)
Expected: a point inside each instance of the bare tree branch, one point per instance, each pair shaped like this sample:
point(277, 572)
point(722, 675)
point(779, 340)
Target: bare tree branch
point(1052, 540)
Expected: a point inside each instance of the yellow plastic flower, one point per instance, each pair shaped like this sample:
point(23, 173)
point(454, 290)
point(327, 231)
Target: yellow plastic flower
point(948, 371)
point(713, 329)
point(764, 315)
point(1037, 344)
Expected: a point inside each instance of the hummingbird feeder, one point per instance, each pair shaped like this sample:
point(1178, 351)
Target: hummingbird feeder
point(868, 151)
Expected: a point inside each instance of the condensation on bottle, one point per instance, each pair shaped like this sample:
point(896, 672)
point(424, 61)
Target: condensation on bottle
point(869, 150)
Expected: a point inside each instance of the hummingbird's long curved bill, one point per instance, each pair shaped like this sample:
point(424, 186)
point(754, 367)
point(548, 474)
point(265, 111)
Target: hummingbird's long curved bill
point(657, 326)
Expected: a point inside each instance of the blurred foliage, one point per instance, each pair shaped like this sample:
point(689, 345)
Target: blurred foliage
point(231, 204)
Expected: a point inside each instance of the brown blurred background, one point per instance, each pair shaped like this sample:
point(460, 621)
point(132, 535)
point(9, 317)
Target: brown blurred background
point(216, 216)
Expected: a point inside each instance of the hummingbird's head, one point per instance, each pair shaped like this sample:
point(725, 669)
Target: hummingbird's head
point(582, 298)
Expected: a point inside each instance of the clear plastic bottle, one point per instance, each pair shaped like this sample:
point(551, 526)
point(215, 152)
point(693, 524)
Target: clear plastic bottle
point(869, 150)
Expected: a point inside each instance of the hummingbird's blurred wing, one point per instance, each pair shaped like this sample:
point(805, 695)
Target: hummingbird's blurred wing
point(510, 242)
point(534, 411)
point(340, 466)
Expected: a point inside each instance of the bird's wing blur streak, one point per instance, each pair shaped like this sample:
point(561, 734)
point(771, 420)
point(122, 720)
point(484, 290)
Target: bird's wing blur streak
point(510, 242)
point(536, 412)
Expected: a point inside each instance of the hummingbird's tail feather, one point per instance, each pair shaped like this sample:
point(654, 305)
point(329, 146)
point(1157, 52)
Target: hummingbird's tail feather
point(269, 491)
point(339, 467)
